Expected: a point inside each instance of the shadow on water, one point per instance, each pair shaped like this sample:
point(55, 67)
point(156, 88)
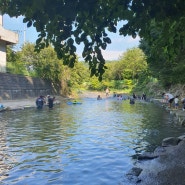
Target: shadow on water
point(92, 143)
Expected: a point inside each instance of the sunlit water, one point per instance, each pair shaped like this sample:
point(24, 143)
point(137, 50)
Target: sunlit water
point(89, 144)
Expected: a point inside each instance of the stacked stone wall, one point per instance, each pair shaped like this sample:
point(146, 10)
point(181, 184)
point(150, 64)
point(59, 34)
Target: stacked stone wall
point(19, 87)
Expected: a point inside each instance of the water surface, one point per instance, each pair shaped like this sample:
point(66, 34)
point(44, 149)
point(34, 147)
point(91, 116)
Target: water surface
point(93, 143)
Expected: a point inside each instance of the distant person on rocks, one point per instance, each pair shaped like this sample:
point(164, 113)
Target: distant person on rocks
point(144, 96)
point(183, 104)
point(169, 98)
point(176, 100)
point(39, 102)
point(134, 96)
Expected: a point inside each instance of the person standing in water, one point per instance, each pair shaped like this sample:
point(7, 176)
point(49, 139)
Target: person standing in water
point(107, 91)
point(99, 97)
point(50, 101)
point(39, 102)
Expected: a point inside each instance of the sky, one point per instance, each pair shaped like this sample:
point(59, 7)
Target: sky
point(119, 44)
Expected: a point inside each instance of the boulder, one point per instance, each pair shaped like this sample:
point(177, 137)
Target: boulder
point(133, 174)
point(147, 155)
point(170, 141)
point(182, 137)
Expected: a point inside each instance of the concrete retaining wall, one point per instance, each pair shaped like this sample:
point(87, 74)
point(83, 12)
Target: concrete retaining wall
point(19, 87)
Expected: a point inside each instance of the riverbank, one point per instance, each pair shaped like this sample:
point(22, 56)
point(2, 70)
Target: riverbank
point(166, 164)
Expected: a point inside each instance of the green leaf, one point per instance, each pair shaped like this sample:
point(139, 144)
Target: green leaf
point(25, 20)
point(29, 24)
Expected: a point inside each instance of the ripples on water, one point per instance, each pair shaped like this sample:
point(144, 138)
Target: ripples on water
point(93, 143)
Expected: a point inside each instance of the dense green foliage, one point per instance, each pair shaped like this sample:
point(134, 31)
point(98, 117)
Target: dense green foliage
point(132, 63)
point(65, 23)
point(45, 64)
point(14, 63)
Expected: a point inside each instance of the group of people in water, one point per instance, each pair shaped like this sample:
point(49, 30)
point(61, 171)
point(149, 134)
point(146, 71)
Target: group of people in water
point(42, 100)
point(107, 93)
point(167, 98)
point(124, 97)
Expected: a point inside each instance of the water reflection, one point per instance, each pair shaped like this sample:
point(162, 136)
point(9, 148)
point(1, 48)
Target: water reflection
point(92, 143)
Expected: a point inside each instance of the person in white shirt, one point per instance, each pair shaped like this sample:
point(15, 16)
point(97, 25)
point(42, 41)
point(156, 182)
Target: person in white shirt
point(169, 97)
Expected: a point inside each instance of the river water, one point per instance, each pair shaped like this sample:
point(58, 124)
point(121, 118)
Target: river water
point(93, 143)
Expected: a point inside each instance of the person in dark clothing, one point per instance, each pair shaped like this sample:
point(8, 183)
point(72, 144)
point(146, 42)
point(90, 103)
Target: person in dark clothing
point(99, 97)
point(39, 102)
point(50, 101)
point(144, 96)
point(134, 96)
point(183, 104)
point(132, 101)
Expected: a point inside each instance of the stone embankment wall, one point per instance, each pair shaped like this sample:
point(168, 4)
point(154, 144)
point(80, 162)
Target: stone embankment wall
point(19, 87)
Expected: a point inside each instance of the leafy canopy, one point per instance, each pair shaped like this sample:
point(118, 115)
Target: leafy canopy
point(65, 23)
point(133, 63)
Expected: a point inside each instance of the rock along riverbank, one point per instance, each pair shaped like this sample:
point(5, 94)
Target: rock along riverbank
point(166, 165)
